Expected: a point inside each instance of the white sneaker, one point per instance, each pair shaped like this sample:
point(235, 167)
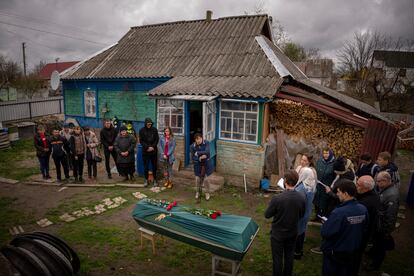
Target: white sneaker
point(197, 195)
point(207, 196)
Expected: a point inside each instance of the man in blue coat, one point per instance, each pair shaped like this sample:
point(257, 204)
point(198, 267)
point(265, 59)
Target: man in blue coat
point(343, 233)
point(200, 154)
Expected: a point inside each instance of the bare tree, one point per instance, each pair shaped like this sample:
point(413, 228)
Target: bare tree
point(9, 72)
point(356, 65)
point(29, 84)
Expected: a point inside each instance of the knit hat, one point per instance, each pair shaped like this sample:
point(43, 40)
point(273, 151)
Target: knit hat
point(122, 128)
point(339, 165)
point(148, 120)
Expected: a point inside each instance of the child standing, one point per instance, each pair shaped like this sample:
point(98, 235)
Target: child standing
point(60, 148)
point(166, 149)
point(41, 143)
point(78, 148)
point(200, 154)
point(92, 144)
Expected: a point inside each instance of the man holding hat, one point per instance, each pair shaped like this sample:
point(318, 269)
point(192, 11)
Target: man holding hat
point(148, 137)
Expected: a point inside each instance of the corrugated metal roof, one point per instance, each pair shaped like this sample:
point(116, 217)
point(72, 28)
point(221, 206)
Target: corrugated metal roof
point(395, 59)
point(47, 70)
point(379, 136)
point(243, 87)
point(221, 47)
point(351, 102)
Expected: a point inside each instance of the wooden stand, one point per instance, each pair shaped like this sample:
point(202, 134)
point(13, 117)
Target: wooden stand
point(149, 235)
point(215, 261)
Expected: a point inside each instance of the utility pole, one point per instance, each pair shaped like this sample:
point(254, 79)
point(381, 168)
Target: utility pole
point(24, 57)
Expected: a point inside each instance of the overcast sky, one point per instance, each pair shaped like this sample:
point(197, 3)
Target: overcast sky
point(323, 24)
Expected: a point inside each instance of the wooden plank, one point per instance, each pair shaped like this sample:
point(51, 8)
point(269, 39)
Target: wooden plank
point(280, 141)
point(266, 118)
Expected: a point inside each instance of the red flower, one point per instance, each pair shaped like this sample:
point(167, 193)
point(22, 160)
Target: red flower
point(218, 213)
point(174, 203)
point(213, 215)
point(169, 207)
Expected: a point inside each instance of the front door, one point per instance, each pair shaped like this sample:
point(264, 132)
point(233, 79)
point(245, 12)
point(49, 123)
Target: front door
point(209, 126)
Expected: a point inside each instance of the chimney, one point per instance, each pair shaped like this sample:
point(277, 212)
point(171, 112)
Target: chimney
point(209, 14)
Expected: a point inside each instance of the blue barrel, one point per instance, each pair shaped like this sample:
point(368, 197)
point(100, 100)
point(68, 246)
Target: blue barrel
point(140, 162)
point(264, 184)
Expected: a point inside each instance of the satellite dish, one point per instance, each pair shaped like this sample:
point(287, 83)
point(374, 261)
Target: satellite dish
point(54, 80)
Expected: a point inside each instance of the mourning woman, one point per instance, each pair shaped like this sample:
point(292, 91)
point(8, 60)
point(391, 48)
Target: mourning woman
point(125, 147)
point(307, 185)
point(166, 148)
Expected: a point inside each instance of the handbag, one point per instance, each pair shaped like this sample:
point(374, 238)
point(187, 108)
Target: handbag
point(97, 158)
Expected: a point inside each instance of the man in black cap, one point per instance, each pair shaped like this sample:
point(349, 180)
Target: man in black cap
point(148, 137)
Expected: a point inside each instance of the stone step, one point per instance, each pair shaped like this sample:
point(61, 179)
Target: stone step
point(186, 177)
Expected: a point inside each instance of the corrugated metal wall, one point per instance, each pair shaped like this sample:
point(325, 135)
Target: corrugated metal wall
point(379, 136)
point(27, 109)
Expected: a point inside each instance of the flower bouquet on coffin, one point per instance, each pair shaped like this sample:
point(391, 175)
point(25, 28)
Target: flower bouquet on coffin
point(213, 214)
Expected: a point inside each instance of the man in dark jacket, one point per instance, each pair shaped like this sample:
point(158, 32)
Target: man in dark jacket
point(367, 166)
point(385, 164)
point(367, 196)
point(148, 137)
point(41, 143)
point(343, 232)
point(60, 148)
point(286, 209)
point(108, 135)
point(387, 217)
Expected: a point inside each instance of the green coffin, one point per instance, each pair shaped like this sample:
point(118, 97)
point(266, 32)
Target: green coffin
point(228, 236)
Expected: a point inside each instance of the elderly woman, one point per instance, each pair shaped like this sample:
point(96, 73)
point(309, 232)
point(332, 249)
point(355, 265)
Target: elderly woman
point(125, 147)
point(92, 153)
point(307, 185)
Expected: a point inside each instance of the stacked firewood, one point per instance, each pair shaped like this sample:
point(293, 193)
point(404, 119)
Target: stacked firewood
point(302, 121)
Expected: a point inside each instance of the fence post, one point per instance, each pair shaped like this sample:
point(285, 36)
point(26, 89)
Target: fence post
point(30, 110)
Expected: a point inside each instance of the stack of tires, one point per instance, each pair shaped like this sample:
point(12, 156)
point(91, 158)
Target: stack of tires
point(4, 140)
point(38, 253)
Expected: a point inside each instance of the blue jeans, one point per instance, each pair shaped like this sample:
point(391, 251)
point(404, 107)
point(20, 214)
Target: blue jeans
point(44, 165)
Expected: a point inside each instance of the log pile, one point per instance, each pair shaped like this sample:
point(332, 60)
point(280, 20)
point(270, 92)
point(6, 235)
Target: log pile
point(301, 121)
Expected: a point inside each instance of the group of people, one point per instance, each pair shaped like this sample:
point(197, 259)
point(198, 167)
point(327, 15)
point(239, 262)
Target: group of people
point(70, 147)
point(356, 208)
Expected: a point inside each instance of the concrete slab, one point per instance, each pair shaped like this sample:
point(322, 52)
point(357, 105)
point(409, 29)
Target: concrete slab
point(8, 180)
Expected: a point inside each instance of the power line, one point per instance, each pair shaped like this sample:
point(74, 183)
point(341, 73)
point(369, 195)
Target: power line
point(53, 33)
point(48, 22)
point(26, 38)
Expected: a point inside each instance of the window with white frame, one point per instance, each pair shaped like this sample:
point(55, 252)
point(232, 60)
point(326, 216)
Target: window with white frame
point(90, 103)
point(239, 121)
point(170, 113)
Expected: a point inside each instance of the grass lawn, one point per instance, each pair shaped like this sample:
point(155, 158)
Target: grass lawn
point(19, 161)
point(108, 244)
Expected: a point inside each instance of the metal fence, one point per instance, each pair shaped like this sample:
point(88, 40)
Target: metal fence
point(28, 109)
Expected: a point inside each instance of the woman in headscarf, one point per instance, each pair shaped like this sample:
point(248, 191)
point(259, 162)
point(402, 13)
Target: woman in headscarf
point(307, 185)
point(326, 175)
point(166, 148)
point(125, 147)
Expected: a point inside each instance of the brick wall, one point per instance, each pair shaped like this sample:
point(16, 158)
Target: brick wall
point(235, 159)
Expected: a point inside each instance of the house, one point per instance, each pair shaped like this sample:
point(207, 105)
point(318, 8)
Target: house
point(46, 73)
point(219, 76)
point(319, 71)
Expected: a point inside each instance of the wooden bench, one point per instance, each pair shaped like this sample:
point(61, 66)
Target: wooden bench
point(149, 235)
point(215, 262)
